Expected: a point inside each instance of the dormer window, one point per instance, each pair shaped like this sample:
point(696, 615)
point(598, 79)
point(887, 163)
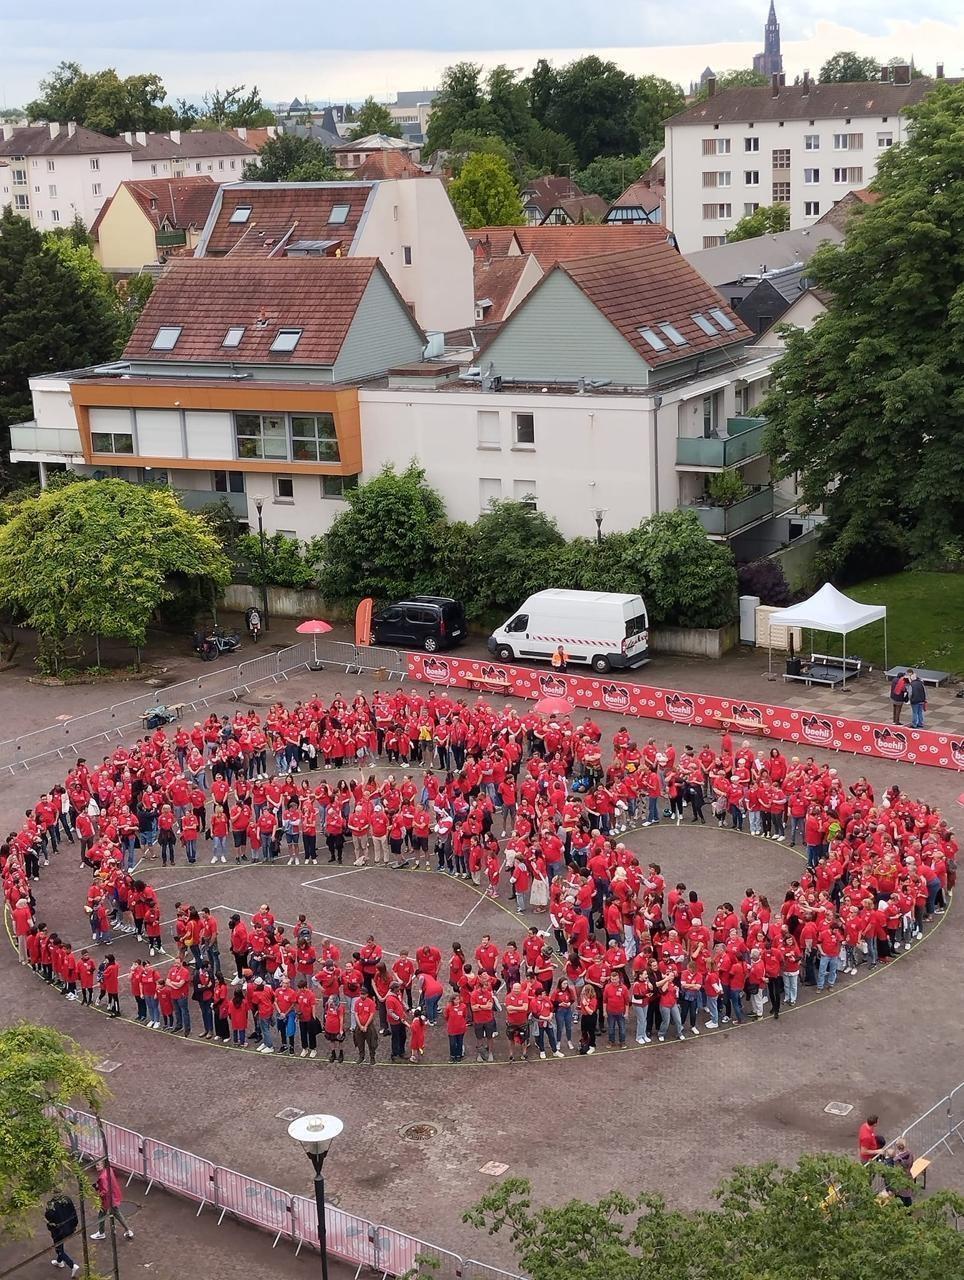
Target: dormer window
point(233, 336)
point(166, 337)
point(241, 214)
point(286, 340)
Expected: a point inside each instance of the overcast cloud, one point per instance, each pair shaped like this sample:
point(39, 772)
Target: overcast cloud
point(303, 47)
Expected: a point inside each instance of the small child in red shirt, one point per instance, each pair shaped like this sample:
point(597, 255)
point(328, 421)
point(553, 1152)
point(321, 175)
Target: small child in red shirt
point(417, 1040)
point(493, 870)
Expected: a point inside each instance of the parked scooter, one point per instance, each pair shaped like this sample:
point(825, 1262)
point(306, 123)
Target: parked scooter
point(216, 642)
point(253, 619)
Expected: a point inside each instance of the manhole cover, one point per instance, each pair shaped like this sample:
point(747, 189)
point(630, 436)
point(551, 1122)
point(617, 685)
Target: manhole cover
point(288, 1113)
point(418, 1132)
point(494, 1168)
point(106, 1067)
point(838, 1108)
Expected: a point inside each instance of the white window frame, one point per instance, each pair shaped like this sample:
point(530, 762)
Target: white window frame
point(811, 142)
point(528, 426)
point(811, 177)
point(287, 482)
point(751, 177)
point(811, 208)
point(751, 144)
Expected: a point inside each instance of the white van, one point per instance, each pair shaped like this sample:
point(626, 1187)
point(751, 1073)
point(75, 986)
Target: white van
point(601, 629)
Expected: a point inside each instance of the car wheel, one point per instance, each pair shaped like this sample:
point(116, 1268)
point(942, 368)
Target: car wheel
point(504, 653)
point(430, 644)
point(600, 664)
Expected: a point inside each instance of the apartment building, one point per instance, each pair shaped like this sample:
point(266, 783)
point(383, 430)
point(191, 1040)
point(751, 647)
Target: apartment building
point(803, 145)
point(54, 173)
point(217, 153)
point(411, 111)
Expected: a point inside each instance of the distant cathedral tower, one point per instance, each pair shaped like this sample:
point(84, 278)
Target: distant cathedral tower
point(770, 61)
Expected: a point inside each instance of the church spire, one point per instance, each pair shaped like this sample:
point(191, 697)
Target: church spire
point(770, 61)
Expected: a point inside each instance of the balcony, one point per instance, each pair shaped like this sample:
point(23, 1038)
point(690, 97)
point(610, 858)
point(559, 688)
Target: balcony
point(47, 444)
point(170, 239)
point(723, 522)
point(743, 441)
point(195, 499)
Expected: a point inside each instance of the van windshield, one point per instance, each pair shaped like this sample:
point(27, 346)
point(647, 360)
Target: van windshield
point(636, 626)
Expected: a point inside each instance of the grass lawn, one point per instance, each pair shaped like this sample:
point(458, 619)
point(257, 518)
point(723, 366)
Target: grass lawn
point(925, 622)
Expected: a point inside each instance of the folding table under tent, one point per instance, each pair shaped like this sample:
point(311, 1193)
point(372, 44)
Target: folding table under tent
point(829, 610)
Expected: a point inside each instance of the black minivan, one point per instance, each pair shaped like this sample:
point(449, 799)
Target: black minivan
point(424, 622)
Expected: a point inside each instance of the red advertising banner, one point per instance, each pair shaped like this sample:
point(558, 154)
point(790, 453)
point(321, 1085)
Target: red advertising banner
point(786, 724)
point(363, 621)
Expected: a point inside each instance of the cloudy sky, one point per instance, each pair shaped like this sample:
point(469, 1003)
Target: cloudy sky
point(298, 49)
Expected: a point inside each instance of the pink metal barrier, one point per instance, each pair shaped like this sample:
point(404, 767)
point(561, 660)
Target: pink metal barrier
point(179, 1171)
point(126, 1150)
point(349, 1238)
point(253, 1201)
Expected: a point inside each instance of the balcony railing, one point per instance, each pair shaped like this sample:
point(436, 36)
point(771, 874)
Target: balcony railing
point(170, 239)
point(725, 521)
point(744, 440)
point(27, 437)
point(195, 499)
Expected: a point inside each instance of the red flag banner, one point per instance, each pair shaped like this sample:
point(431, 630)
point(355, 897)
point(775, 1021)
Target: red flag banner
point(363, 621)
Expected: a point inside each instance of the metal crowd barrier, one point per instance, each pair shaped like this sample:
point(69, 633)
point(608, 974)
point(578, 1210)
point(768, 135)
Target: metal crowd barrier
point(372, 658)
point(354, 1240)
point(938, 1126)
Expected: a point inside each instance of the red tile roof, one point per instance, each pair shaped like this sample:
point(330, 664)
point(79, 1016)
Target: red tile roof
point(642, 192)
point(497, 279)
point(494, 242)
point(563, 244)
point(205, 297)
point(548, 191)
point(178, 203)
point(388, 164)
point(643, 288)
point(282, 212)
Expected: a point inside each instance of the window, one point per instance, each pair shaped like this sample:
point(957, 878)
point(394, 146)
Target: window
point(811, 142)
point(94, 163)
point(286, 340)
point(233, 336)
point(524, 429)
point(716, 146)
point(751, 206)
point(21, 202)
point(54, 215)
point(885, 139)
point(488, 428)
point(519, 624)
point(394, 212)
point(722, 319)
point(20, 177)
point(284, 489)
point(112, 441)
point(781, 193)
point(227, 481)
point(166, 337)
point(848, 141)
point(337, 486)
point(701, 322)
point(711, 242)
point(50, 166)
point(653, 338)
point(490, 490)
point(849, 176)
point(811, 208)
point(339, 214)
point(524, 492)
point(153, 170)
point(714, 211)
point(751, 177)
point(674, 335)
point(232, 164)
point(313, 438)
point(723, 178)
point(95, 188)
point(220, 164)
point(709, 177)
point(52, 191)
point(39, 215)
point(751, 144)
point(709, 415)
point(241, 214)
point(290, 534)
point(261, 435)
point(406, 255)
point(781, 158)
point(811, 177)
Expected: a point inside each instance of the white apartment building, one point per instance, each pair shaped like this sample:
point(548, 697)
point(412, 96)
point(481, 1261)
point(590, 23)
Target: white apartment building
point(220, 154)
point(804, 145)
point(53, 173)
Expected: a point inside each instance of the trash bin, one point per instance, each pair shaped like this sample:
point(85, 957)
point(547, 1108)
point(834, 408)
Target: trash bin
point(793, 666)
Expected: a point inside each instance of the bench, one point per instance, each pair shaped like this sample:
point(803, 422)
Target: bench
point(918, 1170)
point(490, 684)
point(925, 674)
point(744, 726)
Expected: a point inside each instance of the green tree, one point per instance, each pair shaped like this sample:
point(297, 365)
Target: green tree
point(593, 103)
point(285, 563)
point(765, 221)
point(867, 404)
point(485, 193)
point(656, 100)
point(822, 1218)
point(384, 543)
point(232, 108)
point(847, 66)
point(132, 294)
point(609, 176)
point(99, 558)
point(515, 550)
point(685, 579)
point(736, 78)
point(93, 282)
point(288, 158)
point(464, 143)
point(41, 1073)
point(101, 100)
point(460, 105)
point(372, 117)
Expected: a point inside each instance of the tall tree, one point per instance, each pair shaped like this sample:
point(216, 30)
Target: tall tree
point(460, 104)
point(373, 117)
point(867, 404)
point(593, 104)
point(656, 100)
point(485, 194)
point(766, 220)
point(609, 176)
point(848, 66)
point(288, 158)
point(736, 78)
point(103, 101)
point(232, 108)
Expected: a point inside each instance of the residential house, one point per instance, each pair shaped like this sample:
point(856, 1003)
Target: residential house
point(572, 209)
point(802, 313)
point(378, 165)
point(352, 154)
point(643, 200)
point(410, 226)
point(853, 203)
point(760, 300)
point(221, 153)
point(240, 381)
point(540, 196)
point(411, 111)
point(552, 244)
point(145, 222)
point(501, 284)
point(803, 145)
point(323, 129)
point(55, 173)
point(620, 386)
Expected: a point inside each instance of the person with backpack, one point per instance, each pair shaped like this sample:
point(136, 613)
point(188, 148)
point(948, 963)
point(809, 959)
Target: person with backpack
point(917, 695)
point(61, 1218)
point(899, 693)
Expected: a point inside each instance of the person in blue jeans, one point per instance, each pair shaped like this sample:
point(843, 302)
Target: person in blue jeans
point(918, 699)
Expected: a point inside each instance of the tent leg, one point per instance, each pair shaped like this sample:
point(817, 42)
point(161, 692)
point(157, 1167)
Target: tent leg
point(886, 663)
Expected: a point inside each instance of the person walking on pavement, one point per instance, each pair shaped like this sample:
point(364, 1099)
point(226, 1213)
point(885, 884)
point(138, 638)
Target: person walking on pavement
point(918, 699)
point(108, 1188)
point(61, 1218)
point(560, 660)
point(899, 693)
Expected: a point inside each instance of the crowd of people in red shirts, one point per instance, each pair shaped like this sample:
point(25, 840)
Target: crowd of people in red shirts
point(523, 806)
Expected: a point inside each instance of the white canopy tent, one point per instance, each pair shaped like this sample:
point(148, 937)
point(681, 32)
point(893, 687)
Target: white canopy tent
point(830, 610)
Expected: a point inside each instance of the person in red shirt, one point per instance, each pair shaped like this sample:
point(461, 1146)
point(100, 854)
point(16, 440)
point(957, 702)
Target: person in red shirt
point(616, 1000)
point(110, 985)
point(397, 1022)
point(456, 1024)
point(869, 1141)
point(417, 1040)
point(365, 1033)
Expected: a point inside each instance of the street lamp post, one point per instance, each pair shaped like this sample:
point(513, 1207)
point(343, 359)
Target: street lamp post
point(597, 515)
point(259, 503)
point(316, 1134)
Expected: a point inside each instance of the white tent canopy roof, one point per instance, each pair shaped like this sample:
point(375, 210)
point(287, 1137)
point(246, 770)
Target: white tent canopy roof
point(829, 610)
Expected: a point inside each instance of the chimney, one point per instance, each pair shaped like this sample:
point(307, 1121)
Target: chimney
point(176, 136)
point(71, 128)
point(940, 71)
point(241, 132)
point(54, 129)
point(806, 83)
point(7, 132)
point(128, 137)
point(783, 79)
point(711, 86)
point(884, 74)
point(902, 73)
point(775, 85)
point(141, 137)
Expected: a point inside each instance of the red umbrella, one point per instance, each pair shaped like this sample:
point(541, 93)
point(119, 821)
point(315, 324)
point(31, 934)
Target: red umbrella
point(314, 627)
point(553, 706)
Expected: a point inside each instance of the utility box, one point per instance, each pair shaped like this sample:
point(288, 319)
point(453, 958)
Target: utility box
point(748, 608)
point(777, 636)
